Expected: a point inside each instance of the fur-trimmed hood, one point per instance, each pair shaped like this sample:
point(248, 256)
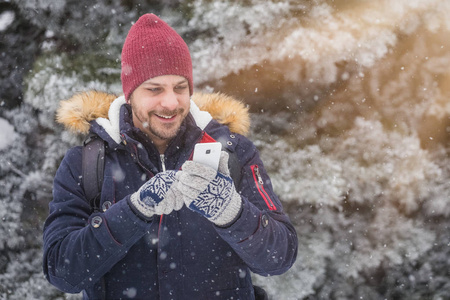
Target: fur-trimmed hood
point(76, 112)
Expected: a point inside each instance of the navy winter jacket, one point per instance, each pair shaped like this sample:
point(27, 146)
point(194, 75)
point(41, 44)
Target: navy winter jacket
point(113, 254)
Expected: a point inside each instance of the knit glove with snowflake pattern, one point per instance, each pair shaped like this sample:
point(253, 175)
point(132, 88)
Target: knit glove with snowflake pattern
point(156, 197)
point(210, 193)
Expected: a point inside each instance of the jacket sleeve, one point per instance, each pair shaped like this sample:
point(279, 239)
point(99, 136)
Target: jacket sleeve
point(263, 235)
point(79, 248)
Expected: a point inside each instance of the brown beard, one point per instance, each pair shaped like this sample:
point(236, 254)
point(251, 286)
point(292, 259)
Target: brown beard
point(161, 134)
point(152, 131)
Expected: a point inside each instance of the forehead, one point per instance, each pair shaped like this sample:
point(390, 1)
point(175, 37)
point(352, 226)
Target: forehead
point(166, 80)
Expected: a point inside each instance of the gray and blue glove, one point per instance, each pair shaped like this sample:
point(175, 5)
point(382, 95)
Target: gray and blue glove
point(209, 193)
point(156, 197)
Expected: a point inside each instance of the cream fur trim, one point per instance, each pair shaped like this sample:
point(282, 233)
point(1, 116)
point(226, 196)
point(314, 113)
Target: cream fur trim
point(111, 125)
point(202, 118)
point(226, 110)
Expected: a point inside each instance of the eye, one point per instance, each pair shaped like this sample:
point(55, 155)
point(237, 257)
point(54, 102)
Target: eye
point(154, 90)
point(181, 87)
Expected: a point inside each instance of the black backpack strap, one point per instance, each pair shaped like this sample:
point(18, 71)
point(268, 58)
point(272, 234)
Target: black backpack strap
point(93, 164)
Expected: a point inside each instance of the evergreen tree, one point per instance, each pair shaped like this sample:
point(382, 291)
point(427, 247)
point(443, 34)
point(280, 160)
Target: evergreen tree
point(350, 112)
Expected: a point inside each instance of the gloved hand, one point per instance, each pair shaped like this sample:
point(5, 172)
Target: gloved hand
point(210, 193)
point(155, 196)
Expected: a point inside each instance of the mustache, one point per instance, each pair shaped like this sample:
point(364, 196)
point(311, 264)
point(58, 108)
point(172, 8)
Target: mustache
point(167, 112)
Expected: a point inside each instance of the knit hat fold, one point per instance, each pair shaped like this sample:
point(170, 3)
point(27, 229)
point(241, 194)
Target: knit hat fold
point(153, 48)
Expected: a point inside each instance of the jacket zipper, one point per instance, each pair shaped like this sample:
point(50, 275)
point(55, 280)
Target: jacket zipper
point(163, 166)
point(259, 182)
point(163, 162)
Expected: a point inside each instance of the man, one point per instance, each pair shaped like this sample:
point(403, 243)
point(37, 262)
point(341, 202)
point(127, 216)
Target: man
point(168, 228)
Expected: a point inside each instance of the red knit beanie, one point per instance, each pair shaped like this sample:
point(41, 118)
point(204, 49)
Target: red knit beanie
point(152, 48)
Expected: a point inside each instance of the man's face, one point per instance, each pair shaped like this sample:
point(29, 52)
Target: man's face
point(159, 106)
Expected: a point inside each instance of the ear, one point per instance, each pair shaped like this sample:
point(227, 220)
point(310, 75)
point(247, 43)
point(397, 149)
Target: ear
point(128, 101)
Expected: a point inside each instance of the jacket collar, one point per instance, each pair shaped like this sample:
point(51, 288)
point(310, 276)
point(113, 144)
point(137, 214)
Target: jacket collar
point(82, 111)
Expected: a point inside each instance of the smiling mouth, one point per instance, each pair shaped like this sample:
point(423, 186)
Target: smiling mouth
point(166, 117)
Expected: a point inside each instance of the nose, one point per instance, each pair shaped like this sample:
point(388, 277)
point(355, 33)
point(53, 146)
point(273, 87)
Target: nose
point(170, 101)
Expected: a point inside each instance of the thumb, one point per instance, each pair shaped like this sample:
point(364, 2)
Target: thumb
point(175, 197)
point(223, 163)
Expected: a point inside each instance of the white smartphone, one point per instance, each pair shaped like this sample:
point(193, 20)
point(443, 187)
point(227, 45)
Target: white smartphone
point(208, 154)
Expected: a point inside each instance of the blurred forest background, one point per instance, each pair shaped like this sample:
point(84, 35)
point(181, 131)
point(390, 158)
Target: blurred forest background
point(350, 103)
